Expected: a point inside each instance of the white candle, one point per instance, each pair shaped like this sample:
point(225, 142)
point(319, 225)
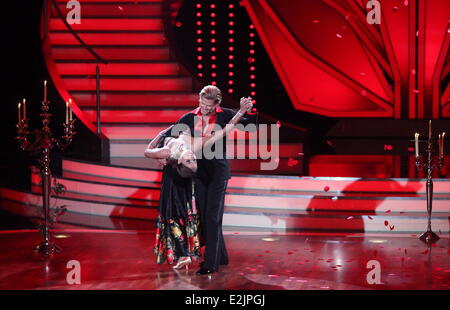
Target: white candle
point(416, 138)
point(440, 145)
point(18, 114)
point(67, 112)
point(45, 91)
point(70, 109)
point(443, 140)
point(24, 109)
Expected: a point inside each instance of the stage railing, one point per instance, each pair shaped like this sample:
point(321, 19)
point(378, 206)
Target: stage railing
point(97, 57)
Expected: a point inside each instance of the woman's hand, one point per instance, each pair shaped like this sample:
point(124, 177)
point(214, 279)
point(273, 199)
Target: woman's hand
point(246, 105)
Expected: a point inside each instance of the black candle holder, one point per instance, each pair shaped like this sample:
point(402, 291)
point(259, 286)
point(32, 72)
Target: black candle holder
point(429, 162)
point(44, 142)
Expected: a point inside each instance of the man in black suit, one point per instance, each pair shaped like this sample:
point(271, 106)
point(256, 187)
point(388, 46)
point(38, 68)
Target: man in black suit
point(213, 173)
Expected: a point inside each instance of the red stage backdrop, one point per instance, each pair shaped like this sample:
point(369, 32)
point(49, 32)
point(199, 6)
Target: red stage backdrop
point(333, 62)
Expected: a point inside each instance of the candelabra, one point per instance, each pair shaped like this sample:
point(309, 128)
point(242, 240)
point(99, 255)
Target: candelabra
point(44, 142)
point(429, 162)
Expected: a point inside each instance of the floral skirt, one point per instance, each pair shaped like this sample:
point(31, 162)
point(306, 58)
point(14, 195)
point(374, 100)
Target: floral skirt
point(176, 238)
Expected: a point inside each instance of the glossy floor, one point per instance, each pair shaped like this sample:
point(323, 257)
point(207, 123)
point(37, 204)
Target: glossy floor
point(124, 260)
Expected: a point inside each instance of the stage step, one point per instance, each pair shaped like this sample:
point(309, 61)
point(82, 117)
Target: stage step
point(124, 23)
point(169, 116)
point(239, 218)
point(114, 9)
point(109, 38)
point(137, 99)
point(155, 68)
point(117, 52)
point(148, 83)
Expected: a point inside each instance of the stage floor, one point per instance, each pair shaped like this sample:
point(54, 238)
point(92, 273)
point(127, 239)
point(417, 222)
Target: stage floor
point(124, 260)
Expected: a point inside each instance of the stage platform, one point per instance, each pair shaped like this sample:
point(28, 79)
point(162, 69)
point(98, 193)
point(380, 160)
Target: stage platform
point(112, 260)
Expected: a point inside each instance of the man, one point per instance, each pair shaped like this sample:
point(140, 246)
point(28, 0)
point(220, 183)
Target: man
point(213, 174)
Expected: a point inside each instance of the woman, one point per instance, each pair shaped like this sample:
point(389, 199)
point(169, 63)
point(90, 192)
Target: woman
point(177, 237)
point(177, 224)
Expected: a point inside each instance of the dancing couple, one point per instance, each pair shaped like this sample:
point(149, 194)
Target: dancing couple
point(193, 190)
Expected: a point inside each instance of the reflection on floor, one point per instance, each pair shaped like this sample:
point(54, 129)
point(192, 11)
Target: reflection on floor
point(301, 261)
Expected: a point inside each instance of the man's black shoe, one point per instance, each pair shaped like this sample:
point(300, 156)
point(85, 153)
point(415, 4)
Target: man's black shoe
point(204, 270)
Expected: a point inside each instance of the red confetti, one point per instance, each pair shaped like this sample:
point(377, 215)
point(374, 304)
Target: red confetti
point(388, 211)
point(178, 24)
point(386, 223)
point(350, 217)
point(370, 218)
point(289, 253)
point(278, 124)
point(267, 251)
point(339, 35)
point(424, 252)
point(292, 162)
point(326, 188)
point(391, 227)
point(120, 8)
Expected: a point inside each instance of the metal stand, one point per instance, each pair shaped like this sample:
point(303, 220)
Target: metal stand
point(44, 142)
point(428, 164)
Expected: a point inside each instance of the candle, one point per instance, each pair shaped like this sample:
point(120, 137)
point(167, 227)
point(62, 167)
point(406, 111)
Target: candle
point(70, 109)
point(67, 112)
point(429, 130)
point(18, 115)
point(24, 109)
point(440, 145)
point(443, 140)
point(416, 138)
point(45, 91)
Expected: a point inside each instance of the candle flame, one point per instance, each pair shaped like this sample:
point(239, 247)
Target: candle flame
point(45, 82)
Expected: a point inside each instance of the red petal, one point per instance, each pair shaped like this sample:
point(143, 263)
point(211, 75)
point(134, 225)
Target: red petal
point(386, 223)
point(391, 227)
point(370, 218)
point(388, 211)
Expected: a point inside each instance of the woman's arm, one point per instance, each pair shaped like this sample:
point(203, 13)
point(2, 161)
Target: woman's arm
point(158, 152)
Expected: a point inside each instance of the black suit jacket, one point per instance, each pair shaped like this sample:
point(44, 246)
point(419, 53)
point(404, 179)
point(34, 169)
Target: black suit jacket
point(216, 168)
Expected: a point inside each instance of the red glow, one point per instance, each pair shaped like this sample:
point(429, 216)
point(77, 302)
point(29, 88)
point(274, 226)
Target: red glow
point(253, 93)
point(213, 74)
point(213, 57)
point(213, 23)
point(252, 26)
point(213, 40)
point(230, 90)
point(231, 23)
point(231, 6)
point(213, 14)
point(231, 40)
point(230, 82)
point(200, 74)
point(230, 57)
point(199, 23)
point(230, 65)
point(231, 31)
point(199, 40)
point(252, 51)
point(199, 31)
point(199, 57)
point(231, 48)
point(213, 32)
point(199, 66)
point(252, 84)
point(230, 73)
point(198, 14)
point(213, 49)
point(213, 66)
point(252, 76)
point(199, 5)
point(251, 34)
point(199, 49)
point(252, 43)
point(213, 83)
point(252, 68)
point(213, 6)
point(231, 15)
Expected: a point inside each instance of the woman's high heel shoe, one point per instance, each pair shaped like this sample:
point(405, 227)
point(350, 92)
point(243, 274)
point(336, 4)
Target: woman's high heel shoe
point(183, 262)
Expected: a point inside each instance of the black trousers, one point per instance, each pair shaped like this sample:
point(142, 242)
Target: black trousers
point(210, 198)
